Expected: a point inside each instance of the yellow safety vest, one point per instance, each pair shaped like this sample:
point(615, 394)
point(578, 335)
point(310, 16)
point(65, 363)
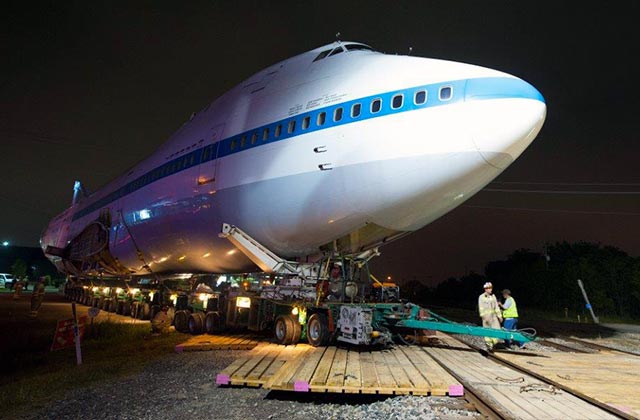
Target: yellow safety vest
point(511, 311)
point(488, 305)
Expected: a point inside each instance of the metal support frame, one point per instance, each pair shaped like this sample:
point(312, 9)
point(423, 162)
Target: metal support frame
point(386, 315)
point(440, 323)
point(261, 256)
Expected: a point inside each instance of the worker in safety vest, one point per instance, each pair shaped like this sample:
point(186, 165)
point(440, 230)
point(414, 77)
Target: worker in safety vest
point(489, 312)
point(17, 289)
point(510, 315)
point(36, 297)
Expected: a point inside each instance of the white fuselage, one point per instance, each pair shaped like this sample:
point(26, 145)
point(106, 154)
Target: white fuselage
point(361, 180)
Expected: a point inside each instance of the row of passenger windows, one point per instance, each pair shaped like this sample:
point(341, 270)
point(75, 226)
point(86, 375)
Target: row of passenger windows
point(397, 101)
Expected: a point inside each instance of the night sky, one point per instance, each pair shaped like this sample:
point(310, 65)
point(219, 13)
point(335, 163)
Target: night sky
point(88, 89)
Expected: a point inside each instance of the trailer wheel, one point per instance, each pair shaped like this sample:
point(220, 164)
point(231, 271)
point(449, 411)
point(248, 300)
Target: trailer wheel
point(143, 310)
point(318, 330)
point(181, 321)
point(153, 311)
point(214, 322)
point(106, 303)
point(113, 307)
point(95, 302)
point(287, 330)
point(126, 308)
point(134, 310)
point(196, 323)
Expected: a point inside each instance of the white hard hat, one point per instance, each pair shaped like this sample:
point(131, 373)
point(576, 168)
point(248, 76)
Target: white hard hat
point(488, 285)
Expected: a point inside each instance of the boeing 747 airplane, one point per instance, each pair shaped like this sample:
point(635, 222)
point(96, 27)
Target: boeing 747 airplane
point(340, 148)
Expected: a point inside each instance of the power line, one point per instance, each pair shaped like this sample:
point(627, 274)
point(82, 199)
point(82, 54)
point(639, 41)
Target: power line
point(574, 192)
point(24, 205)
point(53, 140)
point(586, 212)
point(626, 184)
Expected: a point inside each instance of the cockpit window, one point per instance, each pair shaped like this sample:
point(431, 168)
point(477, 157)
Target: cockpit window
point(322, 55)
point(342, 48)
point(356, 47)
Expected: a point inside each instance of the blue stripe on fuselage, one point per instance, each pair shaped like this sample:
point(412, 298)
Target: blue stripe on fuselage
point(462, 90)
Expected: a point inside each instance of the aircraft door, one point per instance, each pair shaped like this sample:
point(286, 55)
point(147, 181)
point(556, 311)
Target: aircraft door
point(206, 182)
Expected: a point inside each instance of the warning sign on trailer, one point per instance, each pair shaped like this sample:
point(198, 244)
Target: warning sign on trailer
point(64, 336)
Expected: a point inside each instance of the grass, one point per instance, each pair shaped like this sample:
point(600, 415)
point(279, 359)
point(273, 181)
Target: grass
point(110, 350)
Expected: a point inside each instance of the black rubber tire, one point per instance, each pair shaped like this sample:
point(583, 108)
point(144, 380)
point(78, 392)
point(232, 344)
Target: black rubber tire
point(214, 322)
point(153, 311)
point(318, 334)
point(181, 321)
point(287, 329)
point(95, 301)
point(114, 305)
point(106, 303)
point(126, 308)
point(196, 323)
point(143, 310)
point(134, 309)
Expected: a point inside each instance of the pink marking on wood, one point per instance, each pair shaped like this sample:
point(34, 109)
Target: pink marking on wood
point(222, 379)
point(301, 386)
point(179, 348)
point(456, 390)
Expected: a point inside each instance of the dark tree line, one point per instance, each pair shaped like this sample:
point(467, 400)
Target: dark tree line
point(549, 281)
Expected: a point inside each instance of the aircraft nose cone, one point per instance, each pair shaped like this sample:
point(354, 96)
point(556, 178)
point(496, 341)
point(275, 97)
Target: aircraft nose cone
point(506, 114)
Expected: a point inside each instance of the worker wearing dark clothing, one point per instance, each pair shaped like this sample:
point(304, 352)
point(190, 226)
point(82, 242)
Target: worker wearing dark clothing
point(510, 315)
point(36, 297)
point(17, 289)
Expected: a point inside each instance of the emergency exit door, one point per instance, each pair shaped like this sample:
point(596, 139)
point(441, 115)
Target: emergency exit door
point(206, 182)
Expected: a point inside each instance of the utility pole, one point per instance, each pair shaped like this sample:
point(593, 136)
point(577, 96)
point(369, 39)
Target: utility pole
point(586, 299)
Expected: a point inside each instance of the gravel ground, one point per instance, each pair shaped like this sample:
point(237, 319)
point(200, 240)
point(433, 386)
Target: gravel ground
point(532, 346)
point(181, 385)
point(625, 341)
point(571, 344)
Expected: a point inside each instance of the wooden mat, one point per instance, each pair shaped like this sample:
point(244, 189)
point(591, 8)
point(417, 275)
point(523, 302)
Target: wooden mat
point(218, 342)
point(303, 368)
point(611, 378)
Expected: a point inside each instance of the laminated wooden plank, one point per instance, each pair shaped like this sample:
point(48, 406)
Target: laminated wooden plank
point(293, 357)
point(440, 381)
point(240, 376)
point(419, 384)
point(338, 367)
point(370, 383)
point(215, 342)
point(353, 373)
point(322, 370)
point(300, 380)
point(605, 378)
point(386, 380)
